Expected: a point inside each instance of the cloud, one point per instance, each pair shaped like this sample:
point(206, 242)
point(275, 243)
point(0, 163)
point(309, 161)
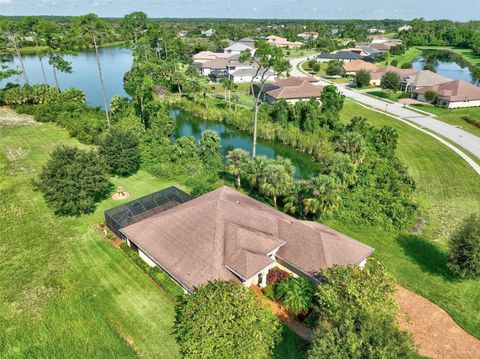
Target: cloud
point(5, 2)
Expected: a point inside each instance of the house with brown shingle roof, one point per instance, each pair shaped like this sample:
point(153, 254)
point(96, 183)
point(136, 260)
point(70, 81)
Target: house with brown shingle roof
point(229, 236)
point(423, 78)
point(377, 74)
point(351, 68)
point(291, 89)
point(452, 94)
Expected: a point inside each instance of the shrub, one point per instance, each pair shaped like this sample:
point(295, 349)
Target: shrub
point(464, 248)
point(276, 275)
point(430, 95)
point(471, 121)
point(73, 180)
point(224, 320)
point(269, 291)
point(296, 294)
point(120, 150)
point(203, 182)
point(156, 273)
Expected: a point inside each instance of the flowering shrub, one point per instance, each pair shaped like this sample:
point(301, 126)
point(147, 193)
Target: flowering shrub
point(276, 275)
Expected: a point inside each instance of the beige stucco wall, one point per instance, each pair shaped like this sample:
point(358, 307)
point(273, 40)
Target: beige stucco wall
point(146, 258)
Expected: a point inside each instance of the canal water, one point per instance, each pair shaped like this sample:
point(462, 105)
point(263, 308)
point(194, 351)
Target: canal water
point(447, 64)
point(115, 62)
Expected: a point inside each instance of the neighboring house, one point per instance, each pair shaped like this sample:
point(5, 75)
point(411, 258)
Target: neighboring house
point(183, 33)
point(208, 33)
point(239, 47)
point(226, 235)
point(243, 75)
point(345, 56)
point(283, 42)
point(377, 74)
point(420, 79)
point(351, 68)
point(307, 35)
point(247, 41)
point(205, 56)
point(367, 52)
point(215, 69)
point(374, 30)
point(292, 89)
point(452, 94)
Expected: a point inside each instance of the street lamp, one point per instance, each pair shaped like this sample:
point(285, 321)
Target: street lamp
point(386, 108)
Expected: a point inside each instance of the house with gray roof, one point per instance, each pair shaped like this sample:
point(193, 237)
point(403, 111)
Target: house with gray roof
point(226, 235)
point(345, 56)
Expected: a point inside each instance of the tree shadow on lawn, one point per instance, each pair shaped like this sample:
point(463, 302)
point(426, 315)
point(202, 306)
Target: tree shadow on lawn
point(427, 255)
point(290, 345)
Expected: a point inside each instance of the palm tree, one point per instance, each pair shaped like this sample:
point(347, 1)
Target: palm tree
point(237, 159)
point(296, 294)
point(275, 181)
point(324, 196)
point(91, 27)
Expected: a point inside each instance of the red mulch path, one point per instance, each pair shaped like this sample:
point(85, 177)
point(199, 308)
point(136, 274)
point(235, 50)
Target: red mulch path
point(435, 333)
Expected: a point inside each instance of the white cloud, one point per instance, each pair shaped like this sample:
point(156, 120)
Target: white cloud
point(5, 2)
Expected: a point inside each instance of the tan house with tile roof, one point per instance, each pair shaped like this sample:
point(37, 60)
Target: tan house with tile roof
point(423, 78)
point(282, 42)
point(351, 68)
point(227, 235)
point(452, 94)
point(377, 74)
point(292, 89)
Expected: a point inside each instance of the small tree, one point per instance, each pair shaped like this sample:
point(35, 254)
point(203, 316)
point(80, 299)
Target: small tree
point(390, 81)
point(464, 248)
point(362, 78)
point(224, 320)
point(236, 162)
point(430, 96)
point(210, 150)
point(120, 149)
point(73, 180)
point(358, 315)
point(334, 68)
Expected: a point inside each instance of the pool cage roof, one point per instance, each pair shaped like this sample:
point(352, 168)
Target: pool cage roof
point(144, 207)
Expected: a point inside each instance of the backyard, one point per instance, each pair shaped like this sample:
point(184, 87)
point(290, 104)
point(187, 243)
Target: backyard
point(67, 292)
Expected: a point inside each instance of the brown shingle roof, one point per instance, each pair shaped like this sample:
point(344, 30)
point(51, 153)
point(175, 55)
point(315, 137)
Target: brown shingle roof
point(357, 65)
point(454, 91)
point(295, 90)
point(227, 235)
point(379, 72)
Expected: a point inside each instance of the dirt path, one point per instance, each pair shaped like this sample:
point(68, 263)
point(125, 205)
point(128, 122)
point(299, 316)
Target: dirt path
point(10, 117)
point(435, 332)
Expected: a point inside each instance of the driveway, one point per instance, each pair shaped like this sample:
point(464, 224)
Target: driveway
point(456, 135)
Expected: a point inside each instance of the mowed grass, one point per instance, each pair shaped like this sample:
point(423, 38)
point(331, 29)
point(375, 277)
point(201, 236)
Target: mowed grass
point(448, 190)
point(65, 291)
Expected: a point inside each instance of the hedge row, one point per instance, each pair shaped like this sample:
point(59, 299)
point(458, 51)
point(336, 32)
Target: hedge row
point(157, 274)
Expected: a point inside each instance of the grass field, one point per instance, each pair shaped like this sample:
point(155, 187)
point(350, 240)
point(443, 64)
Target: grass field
point(65, 291)
point(447, 191)
point(454, 116)
point(411, 54)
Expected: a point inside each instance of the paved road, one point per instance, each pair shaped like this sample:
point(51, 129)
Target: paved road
point(456, 135)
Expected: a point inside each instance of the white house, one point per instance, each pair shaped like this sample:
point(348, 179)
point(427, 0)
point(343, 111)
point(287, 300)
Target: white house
point(238, 47)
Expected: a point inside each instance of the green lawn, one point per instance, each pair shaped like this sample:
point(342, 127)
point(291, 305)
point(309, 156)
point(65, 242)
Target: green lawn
point(455, 116)
point(65, 291)
point(294, 53)
point(447, 191)
point(411, 54)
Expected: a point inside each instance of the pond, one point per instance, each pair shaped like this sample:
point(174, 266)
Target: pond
point(115, 62)
point(448, 64)
point(188, 125)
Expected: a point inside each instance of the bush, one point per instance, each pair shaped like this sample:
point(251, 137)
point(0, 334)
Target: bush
point(269, 291)
point(296, 294)
point(120, 150)
point(471, 121)
point(276, 275)
point(73, 181)
point(430, 95)
point(156, 273)
point(464, 248)
point(390, 81)
point(203, 183)
point(225, 320)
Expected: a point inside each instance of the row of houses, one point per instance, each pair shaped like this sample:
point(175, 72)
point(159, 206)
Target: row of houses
point(449, 93)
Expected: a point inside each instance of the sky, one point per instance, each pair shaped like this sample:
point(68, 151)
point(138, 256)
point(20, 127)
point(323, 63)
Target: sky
point(459, 10)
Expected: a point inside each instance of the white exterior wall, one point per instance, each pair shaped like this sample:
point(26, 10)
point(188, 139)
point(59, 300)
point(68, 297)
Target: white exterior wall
point(464, 104)
point(146, 258)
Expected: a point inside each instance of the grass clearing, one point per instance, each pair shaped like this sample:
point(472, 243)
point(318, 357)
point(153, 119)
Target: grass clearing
point(406, 58)
point(66, 291)
point(447, 191)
